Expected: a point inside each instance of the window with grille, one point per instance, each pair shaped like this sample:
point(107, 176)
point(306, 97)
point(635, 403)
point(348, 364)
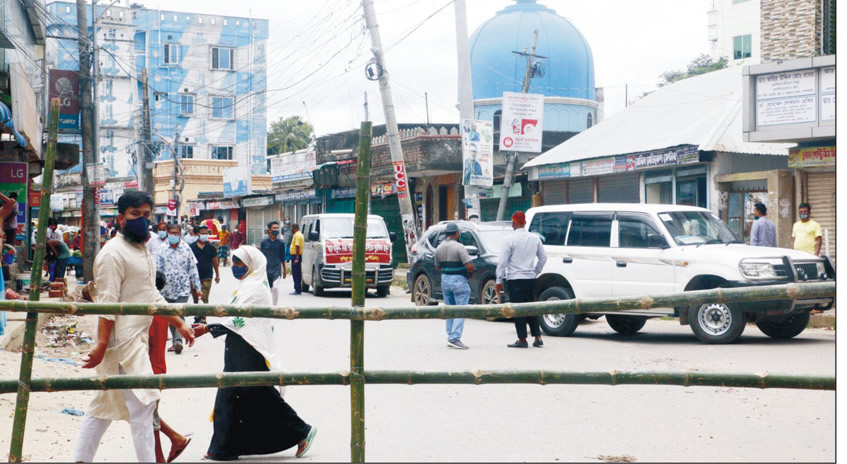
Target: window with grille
point(220, 152)
point(222, 107)
point(171, 55)
point(185, 151)
point(221, 58)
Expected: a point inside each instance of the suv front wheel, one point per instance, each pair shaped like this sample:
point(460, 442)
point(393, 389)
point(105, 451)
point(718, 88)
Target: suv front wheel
point(560, 325)
point(717, 323)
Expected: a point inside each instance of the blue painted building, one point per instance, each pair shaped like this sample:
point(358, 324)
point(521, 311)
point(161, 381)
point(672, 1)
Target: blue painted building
point(565, 76)
point(207, 82)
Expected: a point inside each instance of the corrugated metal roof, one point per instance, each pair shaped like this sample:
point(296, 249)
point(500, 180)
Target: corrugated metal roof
point(703, 110)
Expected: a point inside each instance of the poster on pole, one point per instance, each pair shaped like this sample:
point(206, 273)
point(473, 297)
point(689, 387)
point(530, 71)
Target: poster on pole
point(477, 153)
point(64, 85)
point(13, 179)
point(521, 124)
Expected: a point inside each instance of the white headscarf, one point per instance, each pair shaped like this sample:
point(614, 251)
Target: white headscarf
point(254, 290)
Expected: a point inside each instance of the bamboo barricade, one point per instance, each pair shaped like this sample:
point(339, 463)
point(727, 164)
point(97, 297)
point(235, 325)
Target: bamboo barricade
point(357, 379)
point(28, 345)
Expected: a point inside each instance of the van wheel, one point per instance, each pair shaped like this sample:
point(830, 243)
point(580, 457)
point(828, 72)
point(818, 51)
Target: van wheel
point(560, 325)
point(383, 291)
point(786, 328)
point(626, 325)
point(422, 290)
point(317, 290)
point(716, 323)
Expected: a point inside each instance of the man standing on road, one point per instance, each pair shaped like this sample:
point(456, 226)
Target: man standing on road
point(763, 231)
point(454, 263)
point(296, 251)
point(273, 248)
point(159, 239)
point(207, 260)
point(286, 238)
point(179, 265)
point(517, 269)
point(223, 249)
point(806, 235)
point(125, 272)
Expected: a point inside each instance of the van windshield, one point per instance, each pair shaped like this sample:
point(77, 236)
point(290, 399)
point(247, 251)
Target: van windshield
point(342, 227)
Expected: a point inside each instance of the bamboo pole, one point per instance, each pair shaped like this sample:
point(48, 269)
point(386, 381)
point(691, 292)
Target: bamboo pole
point(28, 345)
point(441, 311)
point(357, 327)
point(476, 377)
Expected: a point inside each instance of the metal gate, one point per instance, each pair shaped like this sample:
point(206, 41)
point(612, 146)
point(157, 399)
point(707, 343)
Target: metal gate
point(581, 191)
point(821, 195)
point(389, 209)
point(554, 192)
point(618, 189)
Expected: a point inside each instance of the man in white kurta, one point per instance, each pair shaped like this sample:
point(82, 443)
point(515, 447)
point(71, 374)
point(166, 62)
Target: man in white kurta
point(124, 272)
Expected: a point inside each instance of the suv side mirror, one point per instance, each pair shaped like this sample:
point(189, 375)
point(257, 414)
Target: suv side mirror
point(314, 236)
point(656, 241)
point(392, 236)
point(472, 250)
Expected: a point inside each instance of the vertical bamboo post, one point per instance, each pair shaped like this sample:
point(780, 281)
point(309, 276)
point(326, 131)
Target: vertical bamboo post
point(28, 346)
point(357, 328)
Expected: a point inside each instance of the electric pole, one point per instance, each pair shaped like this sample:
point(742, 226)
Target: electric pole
point(510, 166)
point(466, 109)
point(146, 153)
point(410, 230)
point(90, 213)
point(176, 169)
point(95, 81)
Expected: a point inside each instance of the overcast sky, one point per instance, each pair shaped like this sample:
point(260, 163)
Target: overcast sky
point(313, 42)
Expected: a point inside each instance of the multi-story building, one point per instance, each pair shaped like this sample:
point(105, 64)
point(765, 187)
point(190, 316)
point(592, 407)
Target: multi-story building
point(206, 84)
point(734, 30)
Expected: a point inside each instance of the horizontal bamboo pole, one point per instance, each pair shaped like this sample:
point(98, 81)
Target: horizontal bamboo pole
point(477, 377)
point(441, 311)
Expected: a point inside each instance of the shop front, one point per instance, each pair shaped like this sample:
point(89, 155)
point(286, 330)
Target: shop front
point(260, 210)
point(815, 175)
point(297, 203)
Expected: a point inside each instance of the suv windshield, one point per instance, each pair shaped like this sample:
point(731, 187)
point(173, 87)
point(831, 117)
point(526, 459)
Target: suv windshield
point(342, 227)
point(696, 228)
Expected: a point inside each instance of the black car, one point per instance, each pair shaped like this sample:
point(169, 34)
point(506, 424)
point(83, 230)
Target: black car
point(483, 241)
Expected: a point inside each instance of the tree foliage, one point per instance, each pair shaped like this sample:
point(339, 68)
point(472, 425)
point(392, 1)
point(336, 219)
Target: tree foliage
point(289, 134)
point(701, 65)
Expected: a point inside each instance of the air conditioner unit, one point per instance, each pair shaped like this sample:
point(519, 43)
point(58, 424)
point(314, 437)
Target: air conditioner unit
point(188, 140)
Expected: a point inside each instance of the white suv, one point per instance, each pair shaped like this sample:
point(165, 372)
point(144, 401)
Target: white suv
point(609, 250)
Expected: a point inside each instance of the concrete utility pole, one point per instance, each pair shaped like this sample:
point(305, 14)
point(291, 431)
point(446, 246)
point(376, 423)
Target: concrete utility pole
point(145, 160)
point(95, 81)
point(410, 229)
point(90, 212)
point(175, 148)
point(510, 167)
point(466, 108)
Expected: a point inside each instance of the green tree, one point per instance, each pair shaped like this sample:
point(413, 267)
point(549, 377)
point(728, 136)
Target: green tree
point(701, 65)
point(289, 134)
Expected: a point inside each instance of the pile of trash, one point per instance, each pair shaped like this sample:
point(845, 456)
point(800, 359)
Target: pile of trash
point(61, 332)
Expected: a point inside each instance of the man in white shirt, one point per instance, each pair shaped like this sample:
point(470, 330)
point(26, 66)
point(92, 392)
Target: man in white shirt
point(519, 267)
point(158, 238)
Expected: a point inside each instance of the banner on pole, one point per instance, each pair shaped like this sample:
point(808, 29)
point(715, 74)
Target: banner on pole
point(521, 124)
point(477, 153)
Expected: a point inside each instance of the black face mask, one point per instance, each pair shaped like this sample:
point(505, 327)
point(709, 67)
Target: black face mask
point(136, 230)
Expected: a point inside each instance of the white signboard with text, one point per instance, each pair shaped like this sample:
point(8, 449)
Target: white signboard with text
point(477, 153)
point(296, 166)
point(521, 123)
point(786, 98)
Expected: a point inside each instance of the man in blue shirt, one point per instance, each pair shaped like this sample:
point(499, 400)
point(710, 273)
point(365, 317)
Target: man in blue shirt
point(763, 230)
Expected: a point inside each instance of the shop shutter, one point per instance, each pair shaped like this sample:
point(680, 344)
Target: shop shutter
point(257, 223)
point(554, 192)
point(821, 187)
point(389, 209)
point(618, 189)
point(581, 191)
point(343, 205)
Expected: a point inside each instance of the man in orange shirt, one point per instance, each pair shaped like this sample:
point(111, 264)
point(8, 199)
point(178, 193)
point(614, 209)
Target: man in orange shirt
point(223, 248)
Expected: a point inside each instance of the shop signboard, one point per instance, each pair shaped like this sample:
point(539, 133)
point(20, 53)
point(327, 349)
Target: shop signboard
point(14, 178)
point(786, 98)
point(338, 194)
point(64, 85)
point(811, 157)
point(828, 94)
point(237, 181)
point(552, 171)
point(521, 123)
point(598, 166)
point(296, 166)
point(257, 201)
point(660, 158)
point(382, 189)
point(296, 195)
point(477, 153)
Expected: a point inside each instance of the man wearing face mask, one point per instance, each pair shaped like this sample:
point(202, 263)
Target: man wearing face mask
point(207, 260)
point(124, 272)
point(52, 233)
point(179, 265)
point(160, 238)
point(806, 234)
point(274, 250)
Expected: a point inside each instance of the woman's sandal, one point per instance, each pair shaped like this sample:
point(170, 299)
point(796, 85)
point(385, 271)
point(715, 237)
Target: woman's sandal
point(175, 452)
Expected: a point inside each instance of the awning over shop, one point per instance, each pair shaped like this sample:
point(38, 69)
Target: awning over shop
point(703, 111)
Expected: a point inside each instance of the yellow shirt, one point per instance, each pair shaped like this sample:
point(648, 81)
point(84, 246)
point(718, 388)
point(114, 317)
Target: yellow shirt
point(804, 234)
point(296, 241)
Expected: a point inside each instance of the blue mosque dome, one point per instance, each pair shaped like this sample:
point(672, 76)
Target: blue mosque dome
point(567, 70)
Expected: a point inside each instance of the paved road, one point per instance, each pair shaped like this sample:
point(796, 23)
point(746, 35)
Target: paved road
point(528, 422)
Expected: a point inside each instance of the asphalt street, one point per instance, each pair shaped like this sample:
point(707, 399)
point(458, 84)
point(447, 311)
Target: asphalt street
point(526, 422)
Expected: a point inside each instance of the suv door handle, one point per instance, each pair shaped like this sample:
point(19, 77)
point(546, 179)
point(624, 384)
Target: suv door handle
point(620, 263)
point(567, 259)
